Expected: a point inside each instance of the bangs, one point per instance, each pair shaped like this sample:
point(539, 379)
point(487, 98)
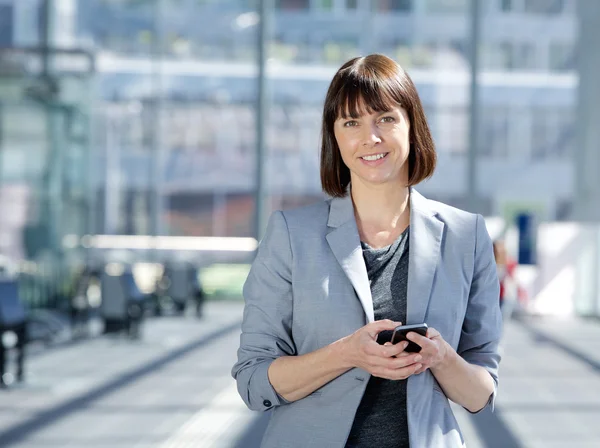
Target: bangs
point(361, 94)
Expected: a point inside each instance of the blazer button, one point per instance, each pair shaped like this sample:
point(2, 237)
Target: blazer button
point(267, 403)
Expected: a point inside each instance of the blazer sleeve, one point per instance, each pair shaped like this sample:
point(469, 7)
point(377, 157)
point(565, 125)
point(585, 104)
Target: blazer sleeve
point(267, 322)
point(482, 325)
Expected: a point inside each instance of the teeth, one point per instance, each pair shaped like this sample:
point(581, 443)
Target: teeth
point(374, 157)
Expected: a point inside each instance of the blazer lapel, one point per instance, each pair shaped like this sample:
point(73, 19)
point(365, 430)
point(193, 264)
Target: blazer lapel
point(424, 252)
point(344, 242)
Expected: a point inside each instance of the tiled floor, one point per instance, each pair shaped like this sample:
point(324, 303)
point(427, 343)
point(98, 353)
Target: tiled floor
point(173, 389)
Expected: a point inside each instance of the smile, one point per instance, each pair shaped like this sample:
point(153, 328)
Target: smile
point(374, 157)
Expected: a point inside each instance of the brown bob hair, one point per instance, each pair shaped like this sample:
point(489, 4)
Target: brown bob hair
point(377, 83)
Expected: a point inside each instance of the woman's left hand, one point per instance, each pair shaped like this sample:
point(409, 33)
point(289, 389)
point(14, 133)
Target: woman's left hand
point(434, 349)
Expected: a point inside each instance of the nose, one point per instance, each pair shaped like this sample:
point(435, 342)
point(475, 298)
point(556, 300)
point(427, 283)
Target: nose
point(371, 135)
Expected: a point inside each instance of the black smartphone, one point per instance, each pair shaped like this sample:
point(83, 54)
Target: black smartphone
point(400, 333)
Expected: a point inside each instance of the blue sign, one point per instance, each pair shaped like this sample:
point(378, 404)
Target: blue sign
point(6, 25)
point(527, 227)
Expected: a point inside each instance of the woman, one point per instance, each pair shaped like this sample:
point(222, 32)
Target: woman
point(510, 292)
point(328, 278)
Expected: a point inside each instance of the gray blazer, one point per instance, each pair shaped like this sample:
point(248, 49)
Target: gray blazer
point(308, 287)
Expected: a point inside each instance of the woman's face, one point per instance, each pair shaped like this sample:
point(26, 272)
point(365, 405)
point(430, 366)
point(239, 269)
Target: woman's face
point(375, 146)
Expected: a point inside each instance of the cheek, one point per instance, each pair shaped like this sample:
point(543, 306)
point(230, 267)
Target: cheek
point(346, 148)
point(402, 135)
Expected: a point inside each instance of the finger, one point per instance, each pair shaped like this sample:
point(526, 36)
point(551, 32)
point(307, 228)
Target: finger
point(372, 348)
point(422, 341)
point(384, 324)
point(408, 371)
point(397, 374)
point(394, 350)
point(432, 333)
point(399, 363)
point(380, 325)
point(390, 351)
point(394, 362)
point(378, 363)
point(386, 350)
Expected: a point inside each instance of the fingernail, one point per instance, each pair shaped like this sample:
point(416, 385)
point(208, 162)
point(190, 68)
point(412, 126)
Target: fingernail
point(418, 358)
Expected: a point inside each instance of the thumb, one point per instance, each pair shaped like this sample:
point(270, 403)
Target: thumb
point(378, 326)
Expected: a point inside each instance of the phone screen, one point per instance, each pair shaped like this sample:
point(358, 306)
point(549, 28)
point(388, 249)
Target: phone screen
point(400, 333)
point(385, 336)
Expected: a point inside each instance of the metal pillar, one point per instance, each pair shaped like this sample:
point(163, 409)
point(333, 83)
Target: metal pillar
point(367, 37)
point(155, 182)
point(260, 217)
point(473, 199)
point(587, 148)
point(51, 183)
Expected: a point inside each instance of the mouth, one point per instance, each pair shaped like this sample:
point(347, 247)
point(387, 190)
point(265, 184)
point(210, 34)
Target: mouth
point(374, 157)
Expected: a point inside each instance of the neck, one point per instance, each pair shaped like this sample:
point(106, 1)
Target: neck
point(381, 207)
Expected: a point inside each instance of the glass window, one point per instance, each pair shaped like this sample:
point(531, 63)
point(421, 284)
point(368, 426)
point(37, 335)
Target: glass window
point(518, 56)
point(553, 132)
point(525, 57)
point(450, 127)
point(544, 6)
point(562, 56)
point(493, 56)
point(507, 5)
point(493, 131)
point(292, 4)
point(446, 6)
point(351, 4)
point(324, 5)
point(393, 5)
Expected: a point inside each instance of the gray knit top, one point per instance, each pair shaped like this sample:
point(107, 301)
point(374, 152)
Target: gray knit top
point(380, 420)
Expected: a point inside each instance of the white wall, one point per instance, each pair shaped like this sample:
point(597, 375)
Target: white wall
point(565, 281)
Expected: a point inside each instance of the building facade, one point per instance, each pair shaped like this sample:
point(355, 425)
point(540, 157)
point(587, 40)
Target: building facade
point(175, 84)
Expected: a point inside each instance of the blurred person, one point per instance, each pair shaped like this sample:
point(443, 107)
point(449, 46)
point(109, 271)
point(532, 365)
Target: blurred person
point(509, 288)
point(330, 277)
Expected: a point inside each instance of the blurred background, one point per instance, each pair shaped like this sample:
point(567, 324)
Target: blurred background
point(144, 143)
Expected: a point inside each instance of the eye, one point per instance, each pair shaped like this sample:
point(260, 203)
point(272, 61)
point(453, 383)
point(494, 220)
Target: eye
point(388, 120)
point(350, 123)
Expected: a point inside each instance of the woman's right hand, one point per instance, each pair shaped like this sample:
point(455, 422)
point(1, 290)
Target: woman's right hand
point(388, 361)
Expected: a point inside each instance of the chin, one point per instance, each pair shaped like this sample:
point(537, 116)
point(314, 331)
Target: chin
point(378, 180)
